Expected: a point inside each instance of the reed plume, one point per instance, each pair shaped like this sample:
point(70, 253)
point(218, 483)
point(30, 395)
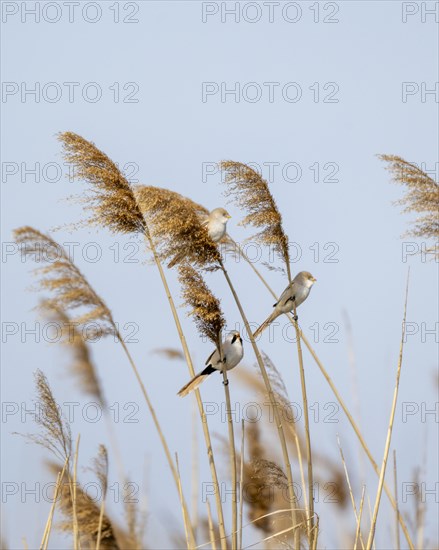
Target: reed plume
point(111, 201)
point(422, 197)
point(205, 307)
point(88, 515)
point(175, 223)
point(82, 365)
point(252, 193)
point(56, 434)
point(259, 501)
point(69, 288)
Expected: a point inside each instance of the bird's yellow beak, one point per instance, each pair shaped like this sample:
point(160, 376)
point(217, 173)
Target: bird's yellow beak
point(228, 216)
point(314, 280)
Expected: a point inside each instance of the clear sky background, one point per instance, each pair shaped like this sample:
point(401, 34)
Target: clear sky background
point(151, 118)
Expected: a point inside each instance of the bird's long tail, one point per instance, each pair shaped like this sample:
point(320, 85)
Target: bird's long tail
point(196, 381)
point(265, 324)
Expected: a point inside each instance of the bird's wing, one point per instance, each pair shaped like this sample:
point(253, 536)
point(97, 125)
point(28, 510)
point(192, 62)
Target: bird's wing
point(210, 357)
point(287, 294)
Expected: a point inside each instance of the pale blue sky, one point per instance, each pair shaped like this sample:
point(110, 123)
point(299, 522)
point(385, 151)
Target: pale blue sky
point(168, 134)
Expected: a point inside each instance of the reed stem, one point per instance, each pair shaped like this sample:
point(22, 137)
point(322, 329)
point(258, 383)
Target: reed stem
point(389, 429)
point(276, 411)
point(188, 358)
point(158, 428)
point(311, 531)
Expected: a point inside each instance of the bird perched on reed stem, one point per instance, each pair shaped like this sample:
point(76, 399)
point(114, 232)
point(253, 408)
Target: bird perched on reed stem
point(233, 352)
point(294, 295)
point(216, 225)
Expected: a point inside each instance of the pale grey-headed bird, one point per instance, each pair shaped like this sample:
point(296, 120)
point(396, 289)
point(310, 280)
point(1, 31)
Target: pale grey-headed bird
point(294, 294)
point(216, 225)
point(233, 352)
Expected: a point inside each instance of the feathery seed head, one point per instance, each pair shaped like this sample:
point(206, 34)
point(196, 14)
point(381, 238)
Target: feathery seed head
point(82, 365)
point(69, 288)
point(111, 201)
point(251, 192)
point(56, 434)
point(206, 308)
point(175, 225)
point(422, 197)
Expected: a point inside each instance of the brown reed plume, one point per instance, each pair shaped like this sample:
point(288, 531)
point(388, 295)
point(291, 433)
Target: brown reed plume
point(205, 307)
point(251, 193)
point(178, 219)
point(111, 201)
point(56, 434)
point(69, 288)
point(88, 515)
point(422, 197)
point(260, 477)
point(210, 321)
point(82, 365)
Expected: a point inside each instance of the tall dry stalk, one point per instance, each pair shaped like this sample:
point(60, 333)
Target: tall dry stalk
point(71, 291)
point(210, 321)
point(395, 488)
point(101, 471)
point(422, 198)
point(252, 193)
point(389, 429)
point(114, 204)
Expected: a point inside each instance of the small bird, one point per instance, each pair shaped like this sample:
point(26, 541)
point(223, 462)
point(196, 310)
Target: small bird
point(233, 352)
point(216, 225)
point(294, 294)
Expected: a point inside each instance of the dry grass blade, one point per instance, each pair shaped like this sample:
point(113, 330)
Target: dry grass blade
point(82, 365)
point(397, 513)
point(205, 307)
point(101, 471)
point(354, 507)
point(46, 535)
point(175, 225)
point(69, 288)
point(56, 436)
point(111, 203)
point(422, 197)
point(88, 514)
point(252, 193)
point(210, 526)
point(360, 515)
point(390, 426)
